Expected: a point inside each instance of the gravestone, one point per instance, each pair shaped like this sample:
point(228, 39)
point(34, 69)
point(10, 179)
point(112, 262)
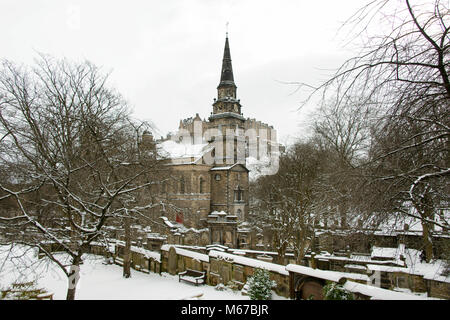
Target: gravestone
point(238, 274)
point(225, 274)
point(228, 239)
point(214, 266)
point(196, 265)
point(172, 261)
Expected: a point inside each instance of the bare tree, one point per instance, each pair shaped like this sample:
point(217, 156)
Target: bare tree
point(403, 70)
point(288, 200)
point(342, 132)
point(68, 139)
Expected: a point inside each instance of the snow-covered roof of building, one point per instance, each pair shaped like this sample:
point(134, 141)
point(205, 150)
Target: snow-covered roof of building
point(174, 150)
point(228, 167)
point(249, 262)
point(221, 168)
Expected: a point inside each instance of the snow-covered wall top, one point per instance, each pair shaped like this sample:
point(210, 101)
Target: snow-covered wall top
point(187, 253)
point(317, 273)
point(249, 262)
point(147, 253)
point(377, 293)
point(377, 267)
point(388, 253)
point(167, 222)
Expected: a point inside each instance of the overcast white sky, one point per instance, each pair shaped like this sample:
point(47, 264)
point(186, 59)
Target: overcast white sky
point(166, 56)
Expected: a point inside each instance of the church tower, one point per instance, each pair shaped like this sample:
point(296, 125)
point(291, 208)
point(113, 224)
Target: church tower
point(229, 175)
point(227, 117)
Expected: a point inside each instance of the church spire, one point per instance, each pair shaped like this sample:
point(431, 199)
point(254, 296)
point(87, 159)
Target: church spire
point(226, 77)
point(226, 102)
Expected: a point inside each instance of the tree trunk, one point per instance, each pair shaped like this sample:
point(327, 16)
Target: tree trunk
point(301, 247)
point(300, 255)
point(281, 253)
point(343, 215)
point(74, 276)
point(427, 229)
point(70, 294)
point(427, 242)
point(127, 249)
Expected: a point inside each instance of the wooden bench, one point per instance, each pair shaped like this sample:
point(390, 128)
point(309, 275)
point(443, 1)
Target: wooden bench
point(45, 296)
point(192, 276)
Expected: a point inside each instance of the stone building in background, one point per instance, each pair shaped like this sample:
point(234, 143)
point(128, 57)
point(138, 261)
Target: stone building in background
point(210, 159)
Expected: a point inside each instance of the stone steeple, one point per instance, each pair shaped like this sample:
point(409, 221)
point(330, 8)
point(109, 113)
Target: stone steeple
point(226, 103)
point(226, 77)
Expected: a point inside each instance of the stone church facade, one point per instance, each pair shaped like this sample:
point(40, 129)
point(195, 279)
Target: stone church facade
point(209, 182)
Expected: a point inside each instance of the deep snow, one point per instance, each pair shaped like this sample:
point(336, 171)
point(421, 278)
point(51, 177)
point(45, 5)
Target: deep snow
point(101, 281)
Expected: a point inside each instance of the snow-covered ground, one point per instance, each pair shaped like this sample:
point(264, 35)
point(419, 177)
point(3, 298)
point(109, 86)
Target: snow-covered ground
point(104, 281)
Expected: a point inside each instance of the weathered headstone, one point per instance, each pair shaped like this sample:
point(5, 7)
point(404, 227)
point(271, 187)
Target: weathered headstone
point(172, 261)
point(214, 266)
point(225, 274)
point(228, 239)
point(196, 265)
point(238, 274)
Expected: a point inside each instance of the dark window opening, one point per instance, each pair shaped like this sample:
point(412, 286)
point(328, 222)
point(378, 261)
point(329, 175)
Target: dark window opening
point(202, 185)
point(182, 185)
point(238, 194)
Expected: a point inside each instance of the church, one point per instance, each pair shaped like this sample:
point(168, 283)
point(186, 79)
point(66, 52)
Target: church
point(212, 160)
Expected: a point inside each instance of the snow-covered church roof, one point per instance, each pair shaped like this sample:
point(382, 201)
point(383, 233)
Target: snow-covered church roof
point(183, 151)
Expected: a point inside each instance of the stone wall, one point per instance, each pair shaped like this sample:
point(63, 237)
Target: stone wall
point(335, 240)
point(224, 183)
point(439, 289)
point(217, 270)
point(174, 260)
point(189, 190)
point(141, 259)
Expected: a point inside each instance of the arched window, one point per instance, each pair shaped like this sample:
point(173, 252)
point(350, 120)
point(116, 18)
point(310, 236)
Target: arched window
point(238, 194)
point(201, 185)
point(239, 213)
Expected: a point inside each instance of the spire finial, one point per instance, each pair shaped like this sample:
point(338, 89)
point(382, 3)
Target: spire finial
point(227, 28)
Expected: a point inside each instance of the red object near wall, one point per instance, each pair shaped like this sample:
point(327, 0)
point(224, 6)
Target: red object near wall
point(179, 217)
